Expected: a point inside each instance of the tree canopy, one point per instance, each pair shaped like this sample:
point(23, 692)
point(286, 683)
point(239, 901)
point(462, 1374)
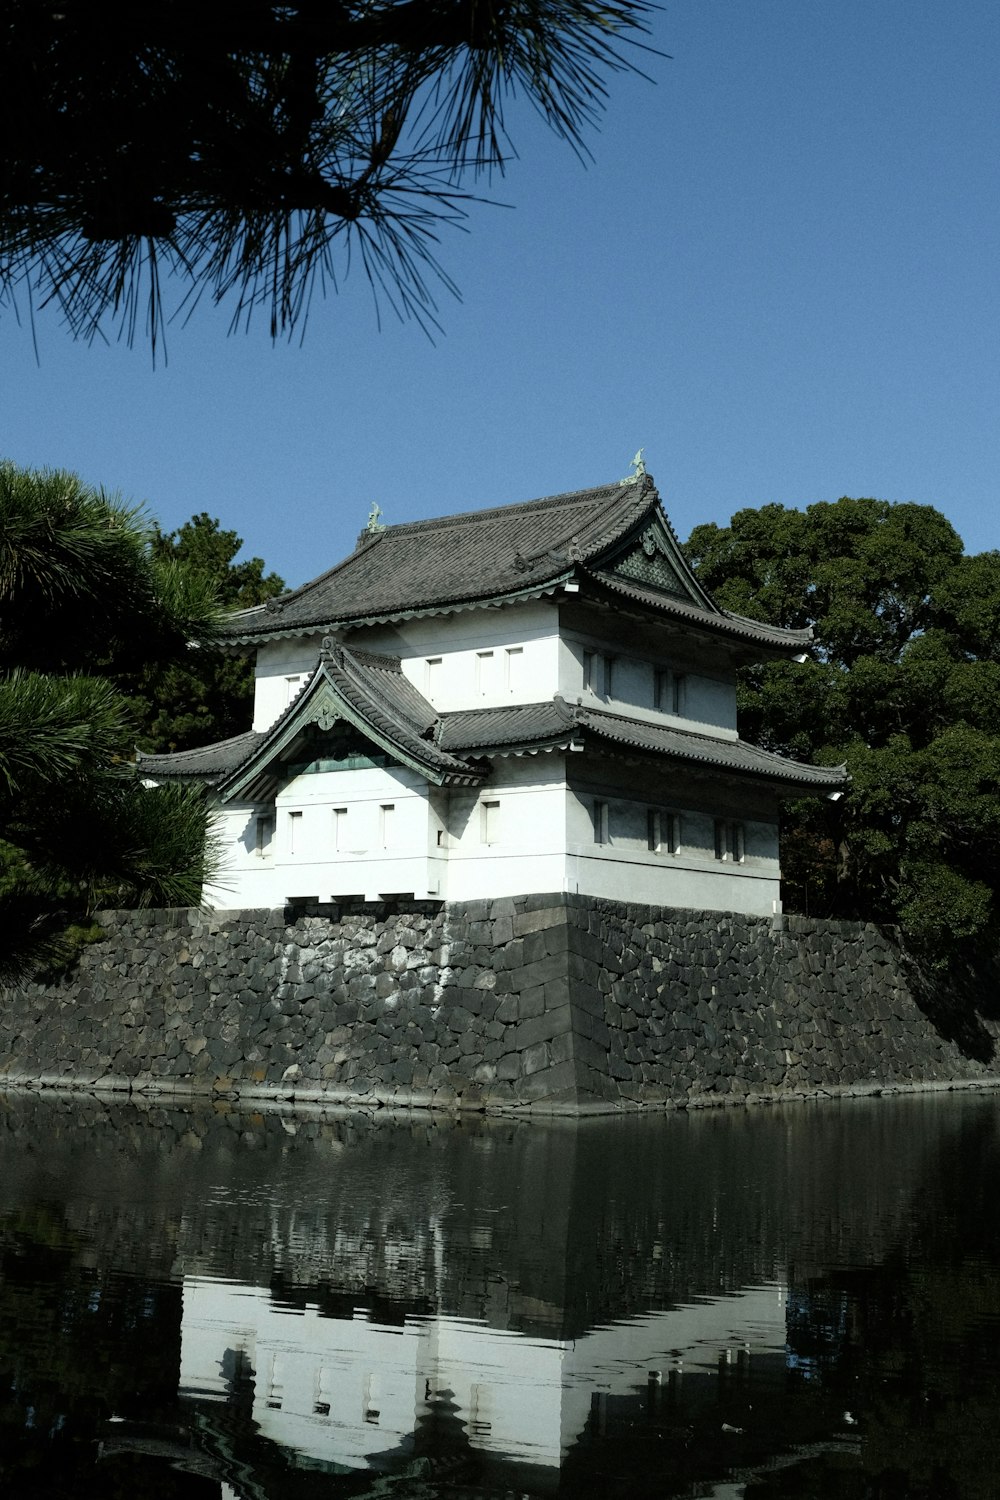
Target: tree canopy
point(902, 683)
point(249, 150)
point(84, 599)
point(204, 695)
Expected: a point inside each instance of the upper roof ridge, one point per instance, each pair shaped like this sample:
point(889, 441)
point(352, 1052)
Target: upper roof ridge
point(544, 502)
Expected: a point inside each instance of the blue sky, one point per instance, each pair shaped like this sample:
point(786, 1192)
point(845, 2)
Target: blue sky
point(779, 275)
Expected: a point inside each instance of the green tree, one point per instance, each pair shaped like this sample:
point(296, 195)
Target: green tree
point(252, 153)
point(82, 593)
point(902, 684)
point(206, 695)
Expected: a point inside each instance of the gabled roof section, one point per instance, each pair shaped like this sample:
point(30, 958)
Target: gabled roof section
point(455, 562)
point(652, 557)
point(367, 691)
point(359, 688)
point(370, 693)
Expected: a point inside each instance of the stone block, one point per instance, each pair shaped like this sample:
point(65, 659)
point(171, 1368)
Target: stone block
point(507, 1010)
point(539, 973)
point(540, 1028)
point(533, 947)
point(502, 931)
point(530, 1003)
point(539, 919)
point(545, 1083)
point(589, 1054)
point(542, 901)
point(534, 1058)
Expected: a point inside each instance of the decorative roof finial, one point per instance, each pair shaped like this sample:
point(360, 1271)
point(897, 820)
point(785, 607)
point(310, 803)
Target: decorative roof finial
point(374, 524)
point(639, 465)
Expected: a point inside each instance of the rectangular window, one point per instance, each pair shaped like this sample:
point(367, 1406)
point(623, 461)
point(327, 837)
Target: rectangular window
point(513, 666)
point(263, 834)
point(669, 691)
point(730, 841)
point(292, 685)
point(340, 828)
point(490, 826)
point(485, 666)
point(370, 1400)
point(601, 823)
point(295, 833)
point(433, 676)
point(662, 831)
point(387, 824)
point(598, 673)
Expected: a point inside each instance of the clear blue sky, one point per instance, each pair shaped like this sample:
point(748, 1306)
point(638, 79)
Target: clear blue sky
point(779, 275)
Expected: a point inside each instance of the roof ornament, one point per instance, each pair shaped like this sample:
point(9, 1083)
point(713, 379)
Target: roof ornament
point(639, 465)
point(325, 717)
point(374, 524)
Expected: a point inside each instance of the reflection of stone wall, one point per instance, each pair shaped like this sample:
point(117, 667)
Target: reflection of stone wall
point(545, 1228)
point(551, 1001)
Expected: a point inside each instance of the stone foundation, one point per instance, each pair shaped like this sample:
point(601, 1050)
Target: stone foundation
point(554, 1003)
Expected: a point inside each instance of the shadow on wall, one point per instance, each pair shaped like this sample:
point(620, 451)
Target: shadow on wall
point(958, 1000)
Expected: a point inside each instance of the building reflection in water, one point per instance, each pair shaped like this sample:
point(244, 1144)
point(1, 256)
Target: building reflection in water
point(644, 1307)
point(355, 1393)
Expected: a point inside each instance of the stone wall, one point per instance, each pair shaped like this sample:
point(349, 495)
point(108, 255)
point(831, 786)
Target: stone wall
point(549, 1002)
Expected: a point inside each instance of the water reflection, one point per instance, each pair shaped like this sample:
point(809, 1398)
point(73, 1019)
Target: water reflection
point(794, 1301)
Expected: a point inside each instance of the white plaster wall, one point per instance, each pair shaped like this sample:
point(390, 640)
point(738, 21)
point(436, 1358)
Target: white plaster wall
point(489, 657)
point(626, 869)
point(536, 835)
point(244, 878)
point(509, 1388)
point(711, 888)
point(709, 701)
point(529, 824)
point(381, 852)
point(522, 667)
point(699, 1337)
point(277, 662)
point(303, 861)
point(367, 1374)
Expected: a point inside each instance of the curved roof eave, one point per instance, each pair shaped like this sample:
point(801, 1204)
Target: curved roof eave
point(719, 621)
point(447, 607)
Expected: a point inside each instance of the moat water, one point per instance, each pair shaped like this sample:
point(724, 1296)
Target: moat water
point(798, 1300)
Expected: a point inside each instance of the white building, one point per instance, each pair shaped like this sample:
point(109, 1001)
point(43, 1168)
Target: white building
point(536, 698)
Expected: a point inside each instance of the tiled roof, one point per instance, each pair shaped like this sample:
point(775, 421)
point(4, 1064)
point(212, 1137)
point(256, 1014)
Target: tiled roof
point(384, 699)
point(468, 558)
point(704, 749)
point(209, 763)
point(484, 729)
point(368, 691)
point(496, 730)
point(723, 622)
point(372, 692)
